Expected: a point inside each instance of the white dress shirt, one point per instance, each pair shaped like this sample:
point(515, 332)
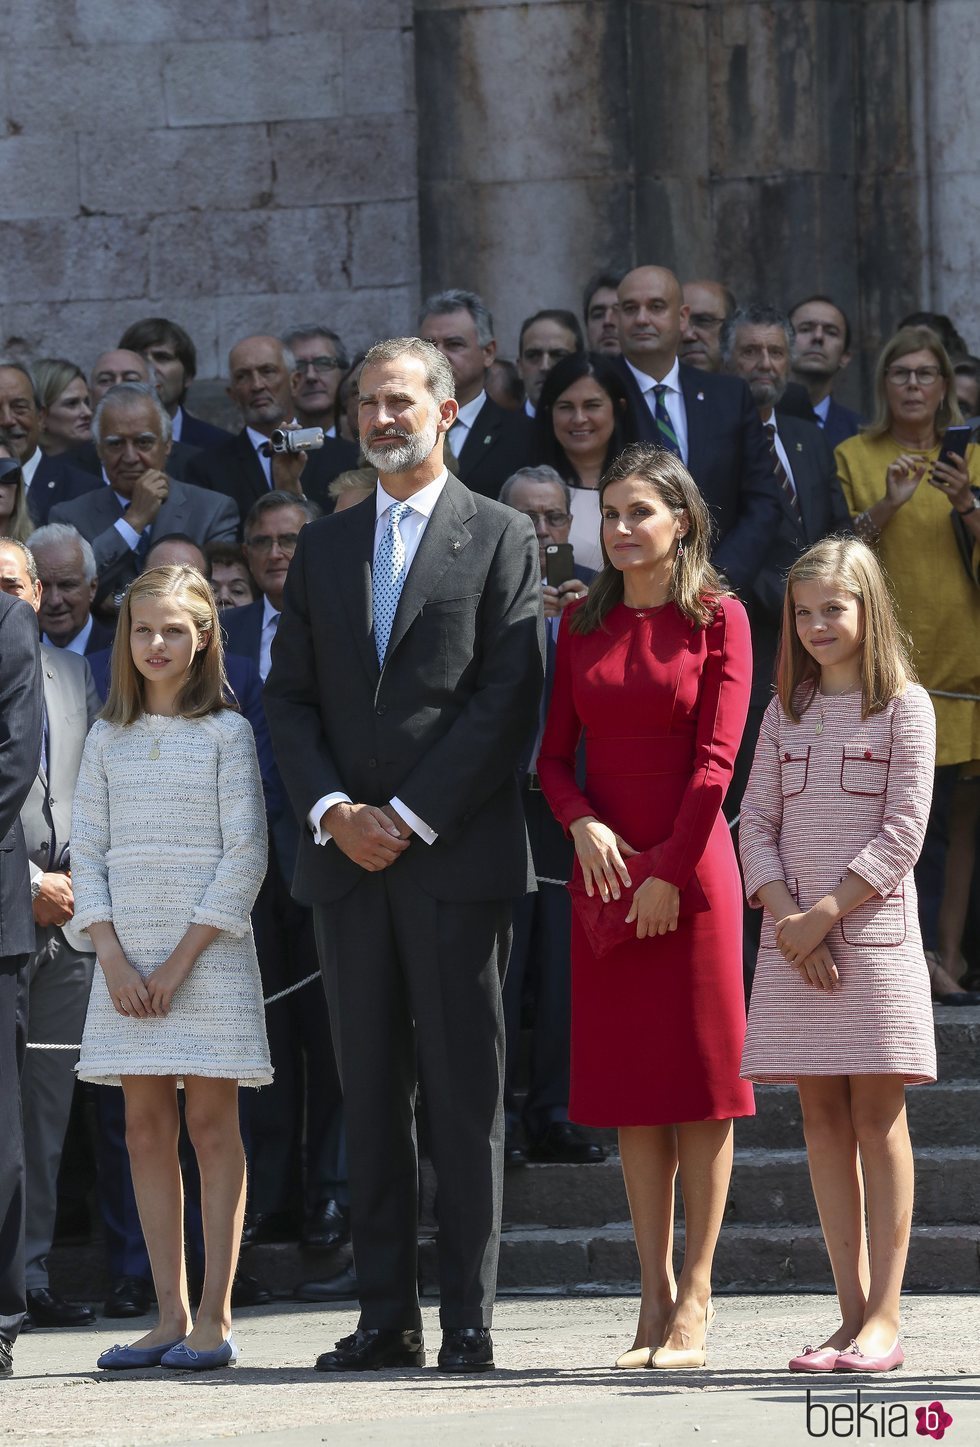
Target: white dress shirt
point(821, 408)
point(78, 643)
point(673, 400)
point(773, 421)
point(529, 408)
point(28, 468)
point(413, 525)
point(460, 430)
point(177, 425)
point(270, 622)
point(125, 530)
point(259, 442)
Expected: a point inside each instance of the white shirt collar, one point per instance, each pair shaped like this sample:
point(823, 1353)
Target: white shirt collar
point(259, 439)
point(646, 383)
point(422, 501)
point(470, 410)
point(77, 644)
point(772, 421)
point(822, 407)
point(177, 424)
point(269, 611)
point(529, 407)
point(29, 467)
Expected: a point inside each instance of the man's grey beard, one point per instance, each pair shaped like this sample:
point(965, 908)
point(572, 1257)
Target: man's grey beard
point(766, 392)
point(412, 453)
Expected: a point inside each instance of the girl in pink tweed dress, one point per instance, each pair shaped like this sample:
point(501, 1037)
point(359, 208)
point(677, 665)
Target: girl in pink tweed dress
point(832, 823)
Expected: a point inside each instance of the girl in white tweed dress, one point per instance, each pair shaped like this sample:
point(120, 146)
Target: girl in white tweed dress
point(832, 823)
point(168, 853)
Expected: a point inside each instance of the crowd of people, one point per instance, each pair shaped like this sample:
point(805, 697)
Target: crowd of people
point(538, 601)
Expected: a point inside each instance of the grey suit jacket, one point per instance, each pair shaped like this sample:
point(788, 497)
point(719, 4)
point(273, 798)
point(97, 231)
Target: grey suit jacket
point(443, 724)
point(207, 517)
point(71, 703)
point(20, 749)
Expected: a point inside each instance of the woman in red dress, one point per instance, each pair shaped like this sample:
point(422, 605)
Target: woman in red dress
point(655, 667)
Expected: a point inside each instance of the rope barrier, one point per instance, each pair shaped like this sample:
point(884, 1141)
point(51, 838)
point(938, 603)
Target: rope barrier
point(308, 979)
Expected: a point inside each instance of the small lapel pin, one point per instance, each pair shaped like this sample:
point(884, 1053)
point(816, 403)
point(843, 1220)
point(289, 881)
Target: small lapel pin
point(51, 483)
point(799, 447)
point(455, 545)
point(487, 440)
point(700, 396)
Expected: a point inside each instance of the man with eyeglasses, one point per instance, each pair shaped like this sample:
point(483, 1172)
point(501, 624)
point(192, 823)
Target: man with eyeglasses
point(244, 467)
point(306, 1087)
point(711, 305)
point(171, 353)
point(139, 501)
point(320, 360)
point(540, 955)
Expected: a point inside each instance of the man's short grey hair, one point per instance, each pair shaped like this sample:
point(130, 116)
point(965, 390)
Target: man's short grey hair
point(753, 316)
point(270, 501)
point(439, 379)
point(28, 556)
point(456, 300)
point(288, 360)
point(13, 366)
point(127, 394)
point(544, 473)
point(308, 333)
point(54, 535)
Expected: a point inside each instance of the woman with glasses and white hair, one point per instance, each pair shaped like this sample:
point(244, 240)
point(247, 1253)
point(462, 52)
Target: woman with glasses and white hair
point(919, 507)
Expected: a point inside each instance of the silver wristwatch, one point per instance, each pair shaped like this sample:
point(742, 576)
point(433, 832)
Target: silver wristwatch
point(36, 887)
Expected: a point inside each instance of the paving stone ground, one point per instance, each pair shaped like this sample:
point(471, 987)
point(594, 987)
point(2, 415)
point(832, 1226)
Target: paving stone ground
point(553, 1385)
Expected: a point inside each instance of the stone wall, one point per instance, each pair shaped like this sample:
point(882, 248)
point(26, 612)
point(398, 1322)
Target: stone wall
point(239, 166)
point(251, 163)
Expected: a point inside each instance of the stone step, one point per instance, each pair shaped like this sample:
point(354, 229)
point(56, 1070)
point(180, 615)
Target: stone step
point(766, 1186)
point(946, 1113)
point(957, 1042)
point(750, 1257)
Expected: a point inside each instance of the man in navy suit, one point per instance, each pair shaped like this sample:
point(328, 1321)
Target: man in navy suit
point(707, 420)
point(69, 579)
point(821, 351)
point(540, 955)
point(21, 715)
point(244, 467)
point(170, 352)
point(46, 479)
point(307, 1087)
point(488, 441)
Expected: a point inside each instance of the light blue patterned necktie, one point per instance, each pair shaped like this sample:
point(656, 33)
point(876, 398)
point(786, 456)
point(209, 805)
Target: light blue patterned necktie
point(389, 577)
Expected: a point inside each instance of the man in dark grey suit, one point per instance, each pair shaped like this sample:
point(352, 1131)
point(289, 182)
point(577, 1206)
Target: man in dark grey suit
point(59, 975)
point(21, 711)
point(405, 678)
point(132, 432)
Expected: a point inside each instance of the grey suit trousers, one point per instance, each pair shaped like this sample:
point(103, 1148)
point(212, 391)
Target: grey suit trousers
point(59, 980)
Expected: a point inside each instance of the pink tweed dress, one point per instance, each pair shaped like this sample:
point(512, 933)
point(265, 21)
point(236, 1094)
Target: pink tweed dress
point(831, 793)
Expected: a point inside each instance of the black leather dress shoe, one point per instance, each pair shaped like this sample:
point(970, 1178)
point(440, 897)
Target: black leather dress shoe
point(513, 1151)
point(342, 1287)
point(562, 1142)
point(6, 1358)
point(249, 1290)
point(263, 1227)
point(374, 1349)
point(46, 1309)
point(466, 1349)
point(326, 1227)
point(128, 1296)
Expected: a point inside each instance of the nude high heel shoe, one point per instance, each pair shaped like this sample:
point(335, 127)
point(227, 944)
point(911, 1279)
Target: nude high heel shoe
point(675, 1359)
point(635, 1357)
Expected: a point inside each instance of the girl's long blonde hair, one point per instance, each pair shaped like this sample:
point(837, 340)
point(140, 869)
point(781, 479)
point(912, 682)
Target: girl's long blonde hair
point(206, 689)
point(885, 665)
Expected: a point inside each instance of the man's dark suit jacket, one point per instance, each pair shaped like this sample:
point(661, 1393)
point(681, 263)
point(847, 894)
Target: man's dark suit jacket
point(841, 424)
point(729, 459)
point(443, 724)
point(824, 511)
point(231, 467)
point(57, 479)
point(195, 432)
point(499, 442)
point(21, 714)
point(179, 458)
point(202, 515)
point(100, 637)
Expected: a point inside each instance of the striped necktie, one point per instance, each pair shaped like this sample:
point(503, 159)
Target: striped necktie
point(780, 473)
point(668, 437)
point(388, 577)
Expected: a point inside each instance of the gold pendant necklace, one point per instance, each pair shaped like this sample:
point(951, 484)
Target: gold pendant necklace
point(154, 753)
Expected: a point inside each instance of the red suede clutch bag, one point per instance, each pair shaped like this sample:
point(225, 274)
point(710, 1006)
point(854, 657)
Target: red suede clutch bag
point(605, 924)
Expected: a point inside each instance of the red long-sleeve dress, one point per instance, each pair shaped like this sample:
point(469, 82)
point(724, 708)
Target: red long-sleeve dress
point(657, 1024)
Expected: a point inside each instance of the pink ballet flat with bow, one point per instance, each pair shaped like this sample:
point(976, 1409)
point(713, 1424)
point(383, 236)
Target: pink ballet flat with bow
point(815, 1359)
point(854, 1360)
